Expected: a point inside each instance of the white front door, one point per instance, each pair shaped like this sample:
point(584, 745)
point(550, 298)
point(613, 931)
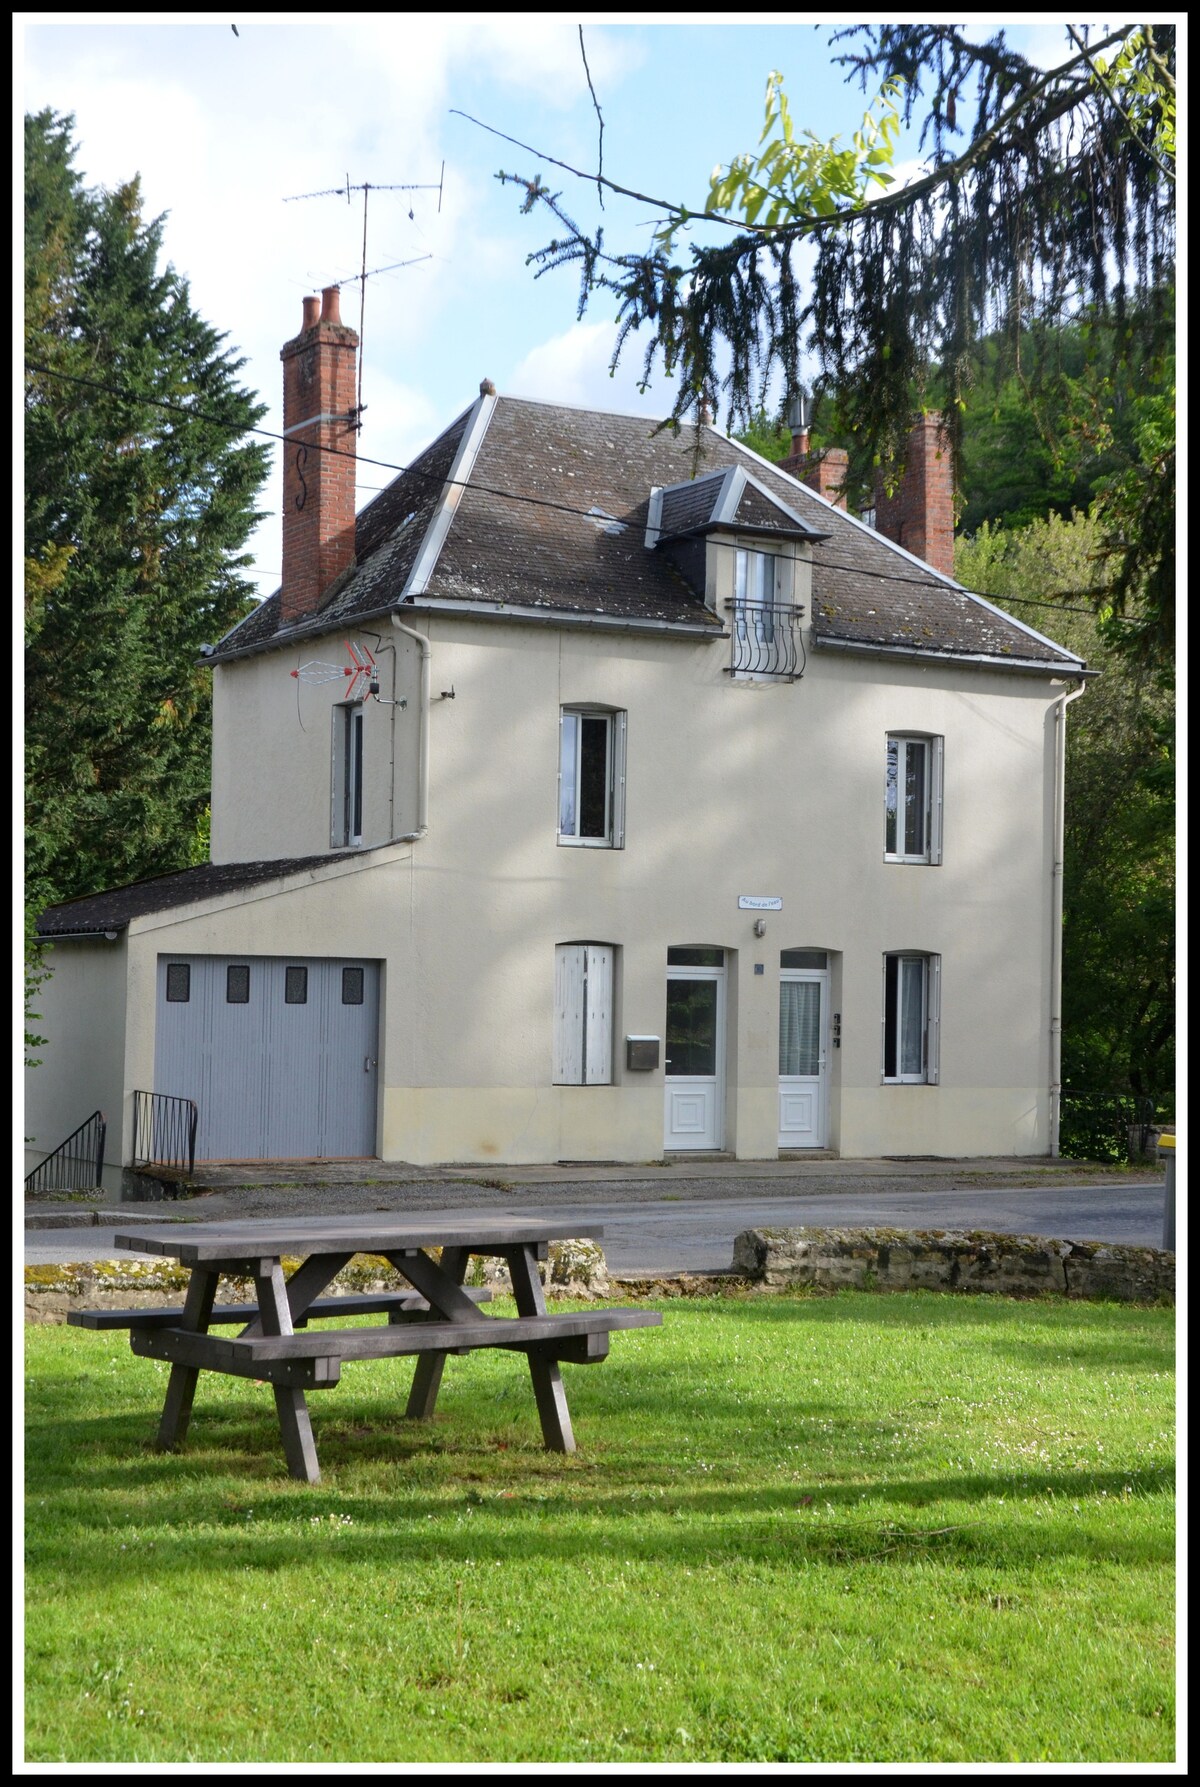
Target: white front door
point(695, 1058)
point(803, 1058)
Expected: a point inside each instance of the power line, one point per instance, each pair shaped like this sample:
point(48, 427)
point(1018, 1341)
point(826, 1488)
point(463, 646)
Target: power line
point(514, 496)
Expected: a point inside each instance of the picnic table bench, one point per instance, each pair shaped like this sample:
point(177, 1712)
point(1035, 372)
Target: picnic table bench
point(438, 1317)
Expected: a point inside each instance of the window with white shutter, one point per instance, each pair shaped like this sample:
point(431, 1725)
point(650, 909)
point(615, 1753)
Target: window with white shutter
point(913, 799)
point(912, 994)
point(583, 1014)
point(591, 778)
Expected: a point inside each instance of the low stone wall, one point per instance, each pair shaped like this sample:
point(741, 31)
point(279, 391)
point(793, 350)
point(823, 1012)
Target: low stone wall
point(952, 1260)
point(574, 1269)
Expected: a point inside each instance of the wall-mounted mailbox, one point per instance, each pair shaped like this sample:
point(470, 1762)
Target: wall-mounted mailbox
point(641, 1053)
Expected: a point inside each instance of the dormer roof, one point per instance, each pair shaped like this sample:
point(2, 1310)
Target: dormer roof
point(730, 498)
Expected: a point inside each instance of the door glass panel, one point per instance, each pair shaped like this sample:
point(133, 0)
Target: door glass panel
point(800, 1028)
point(692, 1028)
point(179, 982)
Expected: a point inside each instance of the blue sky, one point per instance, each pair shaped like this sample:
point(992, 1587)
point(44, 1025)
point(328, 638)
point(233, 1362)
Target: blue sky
point(223, 128)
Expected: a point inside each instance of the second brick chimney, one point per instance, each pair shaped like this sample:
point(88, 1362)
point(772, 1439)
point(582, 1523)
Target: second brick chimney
point(919, 514)
point(824, 472)
point(319, 414)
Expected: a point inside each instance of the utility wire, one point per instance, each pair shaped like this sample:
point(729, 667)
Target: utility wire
point(513, 496)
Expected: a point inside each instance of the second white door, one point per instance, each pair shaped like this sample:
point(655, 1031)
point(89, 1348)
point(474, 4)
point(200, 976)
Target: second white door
point(695, 1055)
point(803, 1058)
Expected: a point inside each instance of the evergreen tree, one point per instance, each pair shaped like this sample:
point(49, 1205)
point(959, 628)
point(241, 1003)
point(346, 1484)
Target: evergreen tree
point(1050, 197)
point(135, 520)
point(1119, 876)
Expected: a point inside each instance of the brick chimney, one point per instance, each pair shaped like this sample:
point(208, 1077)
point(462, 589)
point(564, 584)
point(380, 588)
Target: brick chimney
point(919, 514)
point(319, 368)
point(823, 472)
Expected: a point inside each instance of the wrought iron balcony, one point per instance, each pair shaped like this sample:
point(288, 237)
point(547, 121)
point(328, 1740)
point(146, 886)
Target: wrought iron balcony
point(766, 640)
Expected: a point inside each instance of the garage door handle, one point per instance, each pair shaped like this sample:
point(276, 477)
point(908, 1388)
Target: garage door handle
point(368, 1064)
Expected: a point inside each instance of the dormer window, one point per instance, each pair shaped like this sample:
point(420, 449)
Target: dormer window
point(764, 618)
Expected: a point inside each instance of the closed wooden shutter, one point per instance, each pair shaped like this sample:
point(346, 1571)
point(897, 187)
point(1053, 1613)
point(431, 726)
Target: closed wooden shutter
point(598, 1023)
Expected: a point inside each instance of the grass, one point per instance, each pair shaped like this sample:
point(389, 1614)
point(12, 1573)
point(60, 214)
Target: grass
point(860, 1528)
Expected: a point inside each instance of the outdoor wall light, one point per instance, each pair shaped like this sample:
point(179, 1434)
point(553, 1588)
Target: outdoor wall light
point(760, 927)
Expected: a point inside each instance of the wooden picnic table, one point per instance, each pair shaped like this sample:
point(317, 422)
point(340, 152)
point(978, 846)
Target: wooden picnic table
point(437, 1317)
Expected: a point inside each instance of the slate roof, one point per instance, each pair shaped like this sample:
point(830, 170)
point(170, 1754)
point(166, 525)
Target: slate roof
point(93, 914)
point(519, 534)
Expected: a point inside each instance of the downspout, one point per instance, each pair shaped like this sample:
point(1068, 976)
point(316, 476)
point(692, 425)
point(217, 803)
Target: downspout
point(1056, 909)
point(413, 837)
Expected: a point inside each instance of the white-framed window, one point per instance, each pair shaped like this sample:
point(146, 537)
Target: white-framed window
point(591, 777)
point(346, 781)
point(912, 986)
point(912, 829)
point(764, 619)
point(583, 1014)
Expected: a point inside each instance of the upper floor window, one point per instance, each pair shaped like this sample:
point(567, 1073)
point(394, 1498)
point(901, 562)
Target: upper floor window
point(911, 1017)
point(913, 799)
point(591, 777)
point(346, 816)
point(764, 620)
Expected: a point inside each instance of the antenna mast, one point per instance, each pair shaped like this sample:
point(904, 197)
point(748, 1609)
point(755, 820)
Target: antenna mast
point(367, 188)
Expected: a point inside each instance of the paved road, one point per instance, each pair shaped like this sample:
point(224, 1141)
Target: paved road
point(652, 1234)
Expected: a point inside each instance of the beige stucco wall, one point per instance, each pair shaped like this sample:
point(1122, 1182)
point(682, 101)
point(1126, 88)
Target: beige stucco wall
point(731, 789)
point(81, 1011)
point(273, 749)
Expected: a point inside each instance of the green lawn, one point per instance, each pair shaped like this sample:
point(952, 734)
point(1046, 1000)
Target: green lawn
point(854, 1528)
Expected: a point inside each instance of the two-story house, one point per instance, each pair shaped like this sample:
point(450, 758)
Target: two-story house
point(594, 793)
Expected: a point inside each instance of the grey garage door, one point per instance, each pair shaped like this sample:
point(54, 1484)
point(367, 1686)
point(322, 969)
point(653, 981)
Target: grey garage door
point(278, 1052)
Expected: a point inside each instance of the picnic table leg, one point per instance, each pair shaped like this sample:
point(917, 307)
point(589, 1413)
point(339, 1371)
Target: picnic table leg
point(427, 1379)
point(548, 1389)
point(294, 1423)
point(181, 1385)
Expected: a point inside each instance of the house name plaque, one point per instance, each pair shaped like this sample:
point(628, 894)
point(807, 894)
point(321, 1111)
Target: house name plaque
point(760, 903)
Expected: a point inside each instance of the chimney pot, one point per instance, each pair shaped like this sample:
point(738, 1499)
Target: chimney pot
point(312, 312)
point(331, 304)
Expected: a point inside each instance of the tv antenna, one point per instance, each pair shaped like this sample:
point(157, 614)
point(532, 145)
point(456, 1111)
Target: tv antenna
point(367, 187)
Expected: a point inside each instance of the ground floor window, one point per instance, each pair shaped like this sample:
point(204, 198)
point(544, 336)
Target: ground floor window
point(583, 1014)
point(911, 1012)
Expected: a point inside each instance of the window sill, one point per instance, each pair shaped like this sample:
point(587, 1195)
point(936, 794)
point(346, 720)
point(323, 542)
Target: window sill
point(919, 862)
point(586, 843)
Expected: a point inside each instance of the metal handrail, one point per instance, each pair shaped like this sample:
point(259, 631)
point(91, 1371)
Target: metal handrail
point(766, 640)
point(86, 1158)
point(164, 1131)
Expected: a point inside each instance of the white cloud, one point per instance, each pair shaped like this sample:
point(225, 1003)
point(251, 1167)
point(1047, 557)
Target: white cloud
point(573, 368)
